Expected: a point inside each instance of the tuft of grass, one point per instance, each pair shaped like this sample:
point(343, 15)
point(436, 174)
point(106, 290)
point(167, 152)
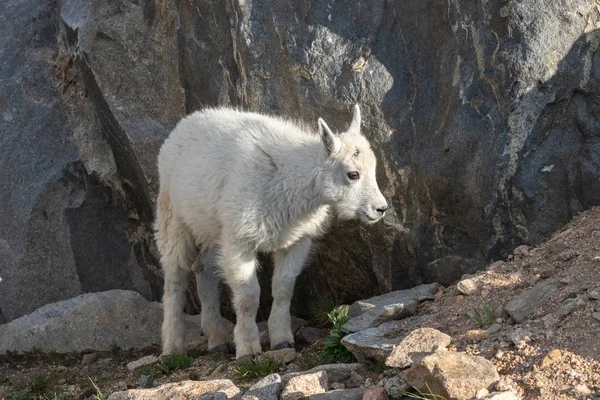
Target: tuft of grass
point(380, 367)
point(333, 349)
point(61, 396)
point(99, 395)
point(485, 316)
point(321, 309)
point(425, 395)
point(34, 351)
point(39, 384)
point(256, 368)
point(175, 362)
point(115, 348)
point(22, 395)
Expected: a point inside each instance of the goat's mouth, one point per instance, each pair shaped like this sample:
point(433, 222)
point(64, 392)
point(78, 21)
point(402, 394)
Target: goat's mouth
point(369, 219)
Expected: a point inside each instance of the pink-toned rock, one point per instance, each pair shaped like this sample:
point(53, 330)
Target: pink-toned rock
point(374, 393)
point(452, 375)
point(418, 341)
point(302, 386)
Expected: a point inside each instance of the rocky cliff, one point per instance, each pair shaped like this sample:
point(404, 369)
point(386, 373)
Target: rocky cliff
point(483, 114)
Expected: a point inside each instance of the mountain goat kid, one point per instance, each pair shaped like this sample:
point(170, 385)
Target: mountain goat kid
point(234, 183)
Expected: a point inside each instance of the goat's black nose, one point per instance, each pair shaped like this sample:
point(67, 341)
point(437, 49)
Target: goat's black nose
point(383, 209)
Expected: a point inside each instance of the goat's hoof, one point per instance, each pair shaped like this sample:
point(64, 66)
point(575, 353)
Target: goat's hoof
point(225, 348)
point(284, 345)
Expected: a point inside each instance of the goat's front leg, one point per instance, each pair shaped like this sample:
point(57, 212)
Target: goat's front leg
point(239, 267)
point(288, 265)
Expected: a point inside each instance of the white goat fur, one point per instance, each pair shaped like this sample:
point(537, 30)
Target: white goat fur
point(233, 183)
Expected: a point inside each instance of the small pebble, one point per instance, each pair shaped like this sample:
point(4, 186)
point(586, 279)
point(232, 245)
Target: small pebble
point(583, 389)
point(593, 294)
point(89, 358)
point(337, 385)
point(475, 335)
point(145, 381)
point(495, 328)
point(62, 381)
point(596, 316)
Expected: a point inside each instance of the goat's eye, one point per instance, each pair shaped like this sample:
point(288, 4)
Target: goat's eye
point(353, 175)
point(355, 154)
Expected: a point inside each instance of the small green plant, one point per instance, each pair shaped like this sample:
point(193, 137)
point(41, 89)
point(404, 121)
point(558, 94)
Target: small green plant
point(424, 395)
point(115, 348)
point(39, 384)
point(175, 362)
point(256, 368)
point(321, 309)
point(333, 349)
point(22, 395)
point(98, 395)
point(485, 317)
point(380, 367)
point(34, 351)
point(61, 396)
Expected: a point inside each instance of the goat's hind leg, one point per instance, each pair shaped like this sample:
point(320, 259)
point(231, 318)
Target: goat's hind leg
point(178, 252)
point(214, 326)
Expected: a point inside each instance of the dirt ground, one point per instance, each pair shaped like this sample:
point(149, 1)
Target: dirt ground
point(553, 353)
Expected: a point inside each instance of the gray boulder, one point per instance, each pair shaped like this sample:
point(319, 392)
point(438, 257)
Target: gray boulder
point(219, 389)
point(96, 321)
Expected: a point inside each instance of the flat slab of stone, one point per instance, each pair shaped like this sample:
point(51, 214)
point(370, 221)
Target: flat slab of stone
point(373, 312)
point(420, 340)
point(531, 300)
point(268, 388)
point(451, 374)
point(142, 362)
point(94, 321)
point(219, 389)
point(378, 343)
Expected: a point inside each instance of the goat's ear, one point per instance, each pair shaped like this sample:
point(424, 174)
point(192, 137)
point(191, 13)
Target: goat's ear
point(330, 141)
point(356, 120)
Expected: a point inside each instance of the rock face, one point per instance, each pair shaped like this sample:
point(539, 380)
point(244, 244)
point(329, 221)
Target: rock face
point(484, 120)
point(96, 321)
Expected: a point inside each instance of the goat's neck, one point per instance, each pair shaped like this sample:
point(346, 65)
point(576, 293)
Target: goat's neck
point(305, 195)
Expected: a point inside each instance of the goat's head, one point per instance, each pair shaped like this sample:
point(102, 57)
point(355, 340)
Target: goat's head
point(349, 182)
